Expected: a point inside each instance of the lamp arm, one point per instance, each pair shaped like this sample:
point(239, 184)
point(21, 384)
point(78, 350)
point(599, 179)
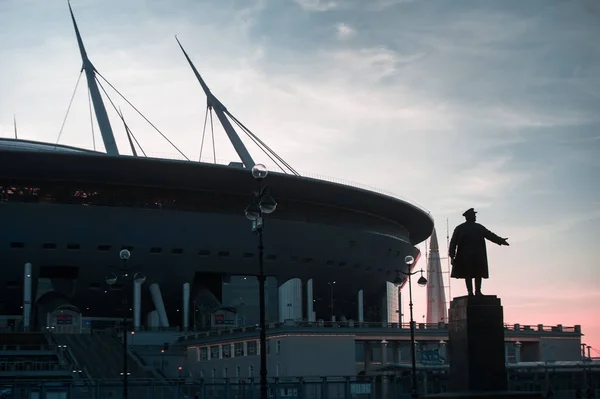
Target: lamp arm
point(408, 274)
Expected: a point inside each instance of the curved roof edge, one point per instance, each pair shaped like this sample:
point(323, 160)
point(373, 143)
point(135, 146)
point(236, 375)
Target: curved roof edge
point(420, 223)
point(9, 144)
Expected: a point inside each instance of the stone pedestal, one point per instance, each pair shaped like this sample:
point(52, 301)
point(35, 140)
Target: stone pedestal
point(476, 345)
point(476, 351)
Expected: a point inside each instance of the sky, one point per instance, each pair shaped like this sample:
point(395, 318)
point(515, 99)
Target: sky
point(448, 104)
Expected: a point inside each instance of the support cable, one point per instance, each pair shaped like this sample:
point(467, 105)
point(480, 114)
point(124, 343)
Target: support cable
point(262, 149)
point(91, 119)
point(212, 130)
point(130, 135)
point(252, 135)
point(120, 115)
point(265, 146)
point(68, 109)
point(142, 115)
point(203, 134)
point(258, 145)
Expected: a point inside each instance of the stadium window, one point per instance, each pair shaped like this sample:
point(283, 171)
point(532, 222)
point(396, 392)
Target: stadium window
point(203, 353)
point(214, 352)
point(251, 348)
point(239, 349)
point(226, 351)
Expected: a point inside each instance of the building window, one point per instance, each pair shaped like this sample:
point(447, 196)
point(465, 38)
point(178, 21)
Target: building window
point(201, 373)
point(278, 347)
point(250, 371)
point(214, 373)
point(214, 352)
point(238, 371)
point(239, 349)
point(224, 372)
point(203, 354)
point(251, 348)
point(278, 371)
point(226, 351)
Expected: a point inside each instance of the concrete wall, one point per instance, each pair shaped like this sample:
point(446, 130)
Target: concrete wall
point(307, 356)
point(288, 356)
point(564, 349)
point(290, 300)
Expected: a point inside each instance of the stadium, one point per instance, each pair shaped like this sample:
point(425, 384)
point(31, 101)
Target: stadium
point(68, 212)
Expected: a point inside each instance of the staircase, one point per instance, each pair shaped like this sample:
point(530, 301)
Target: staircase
point(101, 355)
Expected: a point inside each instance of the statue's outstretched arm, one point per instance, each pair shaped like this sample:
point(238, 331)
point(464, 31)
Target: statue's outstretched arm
point(495, 238)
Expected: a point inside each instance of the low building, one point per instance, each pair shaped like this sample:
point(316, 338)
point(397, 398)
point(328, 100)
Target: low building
point(301, 349)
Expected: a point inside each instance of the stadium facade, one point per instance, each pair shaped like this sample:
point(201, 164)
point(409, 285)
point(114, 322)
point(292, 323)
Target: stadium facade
point(331, 249)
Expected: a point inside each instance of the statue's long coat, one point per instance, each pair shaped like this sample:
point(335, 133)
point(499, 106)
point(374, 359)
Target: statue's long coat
point(470, 258)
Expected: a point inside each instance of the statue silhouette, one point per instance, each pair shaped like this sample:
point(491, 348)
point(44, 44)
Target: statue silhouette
point(468, 252)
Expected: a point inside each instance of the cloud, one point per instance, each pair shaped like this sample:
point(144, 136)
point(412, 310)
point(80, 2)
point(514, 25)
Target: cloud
point(492, 105)
point(344, 31)
point(317, 5)
point(380, 5)
point(560, 225)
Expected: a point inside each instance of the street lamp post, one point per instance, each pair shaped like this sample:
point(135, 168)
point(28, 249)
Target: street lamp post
point(331, 283)
point(409, 260)
point(262, 203)
point(138, 278)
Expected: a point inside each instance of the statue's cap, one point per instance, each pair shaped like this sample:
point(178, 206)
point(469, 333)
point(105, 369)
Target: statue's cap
point(469, 211)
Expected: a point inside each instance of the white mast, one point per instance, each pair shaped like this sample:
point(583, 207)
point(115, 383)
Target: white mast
point(101, 116)
point(220, 110)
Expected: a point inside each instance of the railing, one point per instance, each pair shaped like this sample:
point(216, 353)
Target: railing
point(352, 325)
point(30, 365)
point(31, 348)
point(542, 328)
point(390, 387)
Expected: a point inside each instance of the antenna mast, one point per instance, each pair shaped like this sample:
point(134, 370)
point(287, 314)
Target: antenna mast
point(448, 259)
point(15, 124)
point(101, 116)
point(213, 103)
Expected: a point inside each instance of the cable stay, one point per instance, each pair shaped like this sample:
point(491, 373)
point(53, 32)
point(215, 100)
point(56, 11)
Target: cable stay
point(91, 119)
point(139, 112)
point(263, 146)
point(203, 134)
point(101, 116)
point(127, 130)
point(212, 132)
point(96, 99)
point(130, 135)
point(213, 104)
point(68, 109)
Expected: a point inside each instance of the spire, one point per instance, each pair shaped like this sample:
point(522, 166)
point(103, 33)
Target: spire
point(101, 116)
point(220, 110)
point(436, 296)
point(433, 243)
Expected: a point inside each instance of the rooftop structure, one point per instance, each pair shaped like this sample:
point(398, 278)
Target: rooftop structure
point(72, 210)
